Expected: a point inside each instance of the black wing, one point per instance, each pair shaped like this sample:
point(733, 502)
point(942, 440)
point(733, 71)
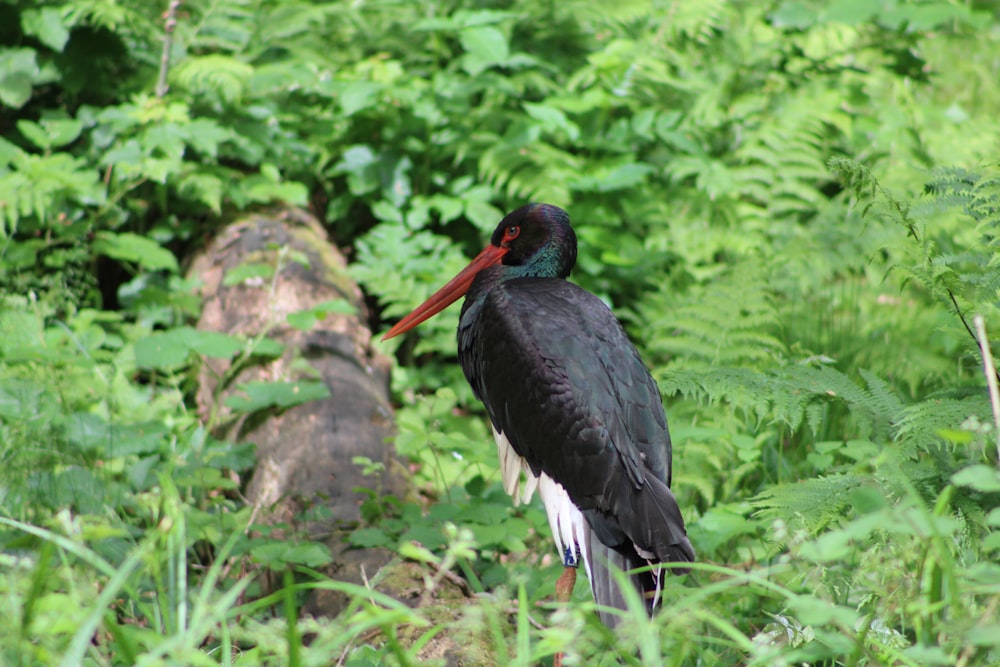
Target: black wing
point(561, 380)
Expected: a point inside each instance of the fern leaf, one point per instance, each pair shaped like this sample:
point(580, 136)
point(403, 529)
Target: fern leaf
point(812, 503)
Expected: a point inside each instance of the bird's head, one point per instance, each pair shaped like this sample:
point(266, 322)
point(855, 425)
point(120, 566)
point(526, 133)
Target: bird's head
point(538, 237)
point(536, 240)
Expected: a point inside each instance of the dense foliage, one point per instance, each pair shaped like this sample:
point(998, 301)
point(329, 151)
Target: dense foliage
point(793, 205)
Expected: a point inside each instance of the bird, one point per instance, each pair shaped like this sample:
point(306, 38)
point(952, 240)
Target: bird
point(575, 413)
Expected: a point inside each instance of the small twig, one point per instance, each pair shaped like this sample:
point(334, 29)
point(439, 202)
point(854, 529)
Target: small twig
point(991, 374)
point(965, 323)
point(169, 23)
point(961, 316)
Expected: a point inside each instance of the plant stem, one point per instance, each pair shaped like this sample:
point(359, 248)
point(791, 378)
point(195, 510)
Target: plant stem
point(991, 374)
point(169, 23)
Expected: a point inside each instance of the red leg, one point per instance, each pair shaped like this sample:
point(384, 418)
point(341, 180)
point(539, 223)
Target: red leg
point(564, 590)
point(565, 583)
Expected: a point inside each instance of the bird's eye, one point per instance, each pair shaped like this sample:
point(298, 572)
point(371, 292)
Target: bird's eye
point(512, 232)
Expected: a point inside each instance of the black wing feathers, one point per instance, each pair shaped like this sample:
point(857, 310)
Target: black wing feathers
point(561, 380)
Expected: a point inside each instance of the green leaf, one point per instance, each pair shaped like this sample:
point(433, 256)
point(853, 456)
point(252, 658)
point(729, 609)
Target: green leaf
point(18, 72)
point(278, 554)
point(268, 347)
point(310, 554)
point(849, 12)
point(980, 477)
point(90, 432)
point(794, 14)
point(482, 214)
point(304, 320)
point(254, 272)
point(816, 611)
point(260, 395)
point(721, 525)
point(361, 166)
point(206, 188)
point(417, 552)
point(163, 351)
point(261, 189)
point(358, 95)
point(47, 25)
point(215, 344)
point(367, 538)
point(385, 211)
point(216, 73)
point(129, 247)
point(50, 133)
point(484, 46)
point(612, 177)
point(553, 118)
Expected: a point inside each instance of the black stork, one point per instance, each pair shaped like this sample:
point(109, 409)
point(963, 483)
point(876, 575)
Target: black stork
point(573, 408)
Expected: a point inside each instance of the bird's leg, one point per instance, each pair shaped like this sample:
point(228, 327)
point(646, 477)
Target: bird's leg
point(564, 590)
point(565, 583)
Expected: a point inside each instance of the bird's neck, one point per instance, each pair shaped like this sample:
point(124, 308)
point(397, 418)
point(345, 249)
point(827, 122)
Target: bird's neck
point(493, 276)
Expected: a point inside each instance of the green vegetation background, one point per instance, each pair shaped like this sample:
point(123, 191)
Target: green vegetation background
point(793, 205)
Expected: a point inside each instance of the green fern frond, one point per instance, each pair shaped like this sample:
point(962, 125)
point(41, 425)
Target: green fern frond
point(792, 395)
point(812, 503)
point(696, 19)
point(920, 425)
point(976, 192)
point(538, 171)
point(216, 73)
point(745, 389)
point(733, 321)
point(885, 402)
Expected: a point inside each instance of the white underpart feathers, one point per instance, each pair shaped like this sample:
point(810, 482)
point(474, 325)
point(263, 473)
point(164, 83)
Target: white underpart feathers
point(565, 520)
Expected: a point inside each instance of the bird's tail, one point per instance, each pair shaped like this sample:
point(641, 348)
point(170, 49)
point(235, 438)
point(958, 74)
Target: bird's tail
point(650, 532)
point(603, 561)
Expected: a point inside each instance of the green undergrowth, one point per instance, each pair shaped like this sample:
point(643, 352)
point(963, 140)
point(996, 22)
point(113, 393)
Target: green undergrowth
point(793, 206)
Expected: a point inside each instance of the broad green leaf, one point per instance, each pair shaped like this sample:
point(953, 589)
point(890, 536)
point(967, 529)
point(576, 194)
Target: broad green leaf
point(387, 212)
point(980, 477)
point(129, 247)
point(279, 554)
point(47, 25)
point(612, 177)
point(260, 395)
point(206, 188)
point(50, 133)
point(358, 95)
point(162, 350)
point(268, 347)
point(370, 537)
point(484, 46)
point(215, 344)
point(254, 272)
point(849, 12)
point(417, 552)
point(304, 320)
point(482, 214)
point(263, 190)
point(91, 432)
point(553, 118)
point(19, 398)
point(794, 14)
point(361, 166)
point(18, 73)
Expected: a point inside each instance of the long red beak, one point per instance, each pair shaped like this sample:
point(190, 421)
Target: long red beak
point(450, 293)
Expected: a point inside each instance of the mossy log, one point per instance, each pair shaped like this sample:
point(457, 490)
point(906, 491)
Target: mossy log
point(306, 453)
